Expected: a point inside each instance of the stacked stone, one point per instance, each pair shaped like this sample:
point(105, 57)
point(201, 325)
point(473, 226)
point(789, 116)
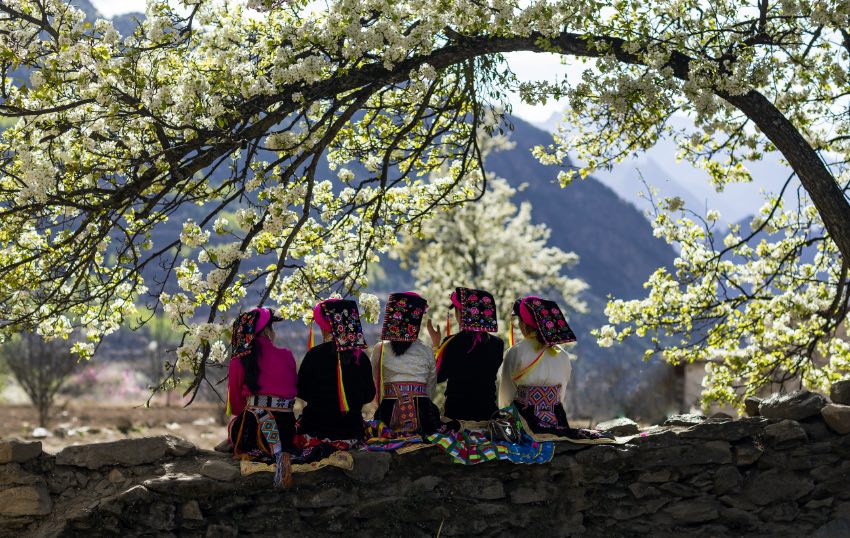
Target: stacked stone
point(782, 473)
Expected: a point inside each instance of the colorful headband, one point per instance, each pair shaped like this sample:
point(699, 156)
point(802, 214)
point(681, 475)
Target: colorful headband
point(266, 316)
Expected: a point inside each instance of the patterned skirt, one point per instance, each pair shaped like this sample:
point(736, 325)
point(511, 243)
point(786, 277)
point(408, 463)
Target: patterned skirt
point(540, 406)
point(406, 408)
point(261, 429)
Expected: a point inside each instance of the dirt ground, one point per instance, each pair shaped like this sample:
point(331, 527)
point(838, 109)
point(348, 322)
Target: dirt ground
point(81, 422)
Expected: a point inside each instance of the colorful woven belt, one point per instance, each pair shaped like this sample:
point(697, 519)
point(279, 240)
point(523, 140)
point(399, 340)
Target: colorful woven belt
point(396, 390)
point(271, 402)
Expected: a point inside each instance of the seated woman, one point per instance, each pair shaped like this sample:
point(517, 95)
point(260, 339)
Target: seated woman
point(469, 360)
point(405, 372)
point(260, 388)
point(335, 378)
point(536, 370)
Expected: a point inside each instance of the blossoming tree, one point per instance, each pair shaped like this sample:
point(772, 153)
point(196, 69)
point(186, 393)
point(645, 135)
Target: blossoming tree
point(491, 244)
point(236, 111)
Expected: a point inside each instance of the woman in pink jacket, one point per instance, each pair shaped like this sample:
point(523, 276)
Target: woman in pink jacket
point(261, 389)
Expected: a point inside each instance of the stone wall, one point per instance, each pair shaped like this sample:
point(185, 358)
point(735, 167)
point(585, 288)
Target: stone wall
point(787, 474)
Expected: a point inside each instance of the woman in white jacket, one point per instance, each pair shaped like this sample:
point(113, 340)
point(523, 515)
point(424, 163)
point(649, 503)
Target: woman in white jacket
point(536, 370)
point(405, 369)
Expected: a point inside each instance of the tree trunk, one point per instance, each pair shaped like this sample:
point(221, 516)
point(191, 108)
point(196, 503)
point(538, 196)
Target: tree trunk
point(43, 413)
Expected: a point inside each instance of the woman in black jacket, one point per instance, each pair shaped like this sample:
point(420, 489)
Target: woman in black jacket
point(469, 361)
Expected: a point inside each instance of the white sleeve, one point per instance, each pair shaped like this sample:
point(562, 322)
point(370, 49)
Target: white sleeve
point(567, 373)
point(431, 383)
point(507, 387)
point(376, 370)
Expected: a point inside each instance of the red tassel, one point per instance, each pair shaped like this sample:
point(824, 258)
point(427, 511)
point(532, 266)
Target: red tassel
point(310, 339)
point(448, 326)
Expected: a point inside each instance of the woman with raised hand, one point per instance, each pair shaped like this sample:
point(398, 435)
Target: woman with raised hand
point(261, 389)
point(335, 378)
point(537, 370)
point(405, 371)
point(469, 361)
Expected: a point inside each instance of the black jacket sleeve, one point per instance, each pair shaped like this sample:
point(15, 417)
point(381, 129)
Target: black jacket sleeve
point(306, 383)
point(449, 356)
point(366, 381)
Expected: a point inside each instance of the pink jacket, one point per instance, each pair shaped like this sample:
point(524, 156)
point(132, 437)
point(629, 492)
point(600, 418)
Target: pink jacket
point(277, 375)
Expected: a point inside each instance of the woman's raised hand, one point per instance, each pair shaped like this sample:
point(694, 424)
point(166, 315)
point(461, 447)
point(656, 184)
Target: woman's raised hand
point(434, 333)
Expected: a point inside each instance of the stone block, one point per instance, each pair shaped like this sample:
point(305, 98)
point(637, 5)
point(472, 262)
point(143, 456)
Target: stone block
point(13, 450)
point(747, 453)
point(325, 497)
point(220, 470)
point(369, 467)
point(727, 479)
point(774, 485)
point(655, 477)
point(730, 430)
point(686, 455)
point(126, 452)
point(191, 510)
point(222, 531)
point(188, 486)
point(487, 489)
point(793, 406)
point(837, 528)
point(693, 511)
point(837, 417)
point(539, 492)
point(115, 476)
point(839, 392)
point(686, 420)
point(13, 473)
point(619, 427)
point(641, 490)
point(751, 406)
point(426, 483)
point(785, 434)
point(31, 500)
point(784, 511)
point(814, 504)
point(738, 518)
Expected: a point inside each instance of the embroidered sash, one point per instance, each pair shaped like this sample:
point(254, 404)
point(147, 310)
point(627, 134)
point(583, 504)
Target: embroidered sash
point(542, 398)
point(274, 403)
point(405, 417)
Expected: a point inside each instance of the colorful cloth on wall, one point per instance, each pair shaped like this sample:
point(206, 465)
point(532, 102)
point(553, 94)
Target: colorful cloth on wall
point(469, 447)
point(549, 318)
point(478, 310)
point(345, 324)
point(242, 337)
point(380, 438)
point(403, 317)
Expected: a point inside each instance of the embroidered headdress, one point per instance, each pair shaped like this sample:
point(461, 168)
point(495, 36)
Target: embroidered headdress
point(403, 317)
point(342, 319)
point(477, 310)
point(245, 328)
point(547, 317)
